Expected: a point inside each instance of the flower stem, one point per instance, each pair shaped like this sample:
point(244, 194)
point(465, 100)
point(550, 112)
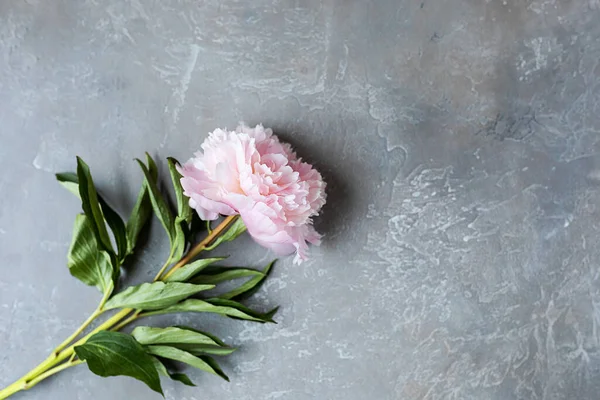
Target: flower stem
point(51, 372)
point(25, 384)
point(129, 320)
point(52, 364)
point(12, 389)
point(213, 234)
point(99, 310)
point(68, 340)
point(202, 245)
point(163, 268)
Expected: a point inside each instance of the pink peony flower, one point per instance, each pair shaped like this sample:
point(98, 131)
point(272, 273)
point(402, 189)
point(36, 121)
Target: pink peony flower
point(251, 173)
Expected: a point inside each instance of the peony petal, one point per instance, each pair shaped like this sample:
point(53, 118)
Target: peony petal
point(250, 172)
point(216, 207)
point(203, 213)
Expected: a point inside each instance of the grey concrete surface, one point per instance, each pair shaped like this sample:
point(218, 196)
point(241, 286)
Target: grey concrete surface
point(460, 140)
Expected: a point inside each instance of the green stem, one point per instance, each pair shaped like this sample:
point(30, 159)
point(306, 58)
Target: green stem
point(99, 310)
point(68, 340)
point(50, 365)
point(202, 245)
point(58, 355)
point(56, 358)
point(51, 372)
point(163, 268)
point(105, 326)
point(11, 389)
point(24, 383)
point(213, 234)
point(129, 320)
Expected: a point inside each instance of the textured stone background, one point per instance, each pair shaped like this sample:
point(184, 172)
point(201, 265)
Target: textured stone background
point(461, 142)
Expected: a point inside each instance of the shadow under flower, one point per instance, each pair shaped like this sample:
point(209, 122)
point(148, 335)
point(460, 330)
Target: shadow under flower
point(341, 202)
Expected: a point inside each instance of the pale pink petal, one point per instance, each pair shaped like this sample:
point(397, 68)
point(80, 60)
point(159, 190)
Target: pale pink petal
point(216, 207)
point(250, 172)
point(203, 213)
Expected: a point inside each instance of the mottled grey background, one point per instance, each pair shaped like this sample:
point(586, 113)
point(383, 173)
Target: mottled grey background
point(460, 140)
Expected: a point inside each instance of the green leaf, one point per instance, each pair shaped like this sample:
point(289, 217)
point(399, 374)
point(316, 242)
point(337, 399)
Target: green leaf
point(187, 271)
point(117, 226)
point(154, 296)
point(183, 207)
point(91, 206)
point(85, 261)
point(218, 302)
point(235, 230)
point(217, 306)
point(196, 226)
point(152, 168)
point(161, 209)
point(142, 210)
point(173, 336)
point(199, 349)
point(179, 243)
point(247, 289)
point(270, 314)
point(183, 378)
point(215, 339)
point(69, 181)
point(215, 366)
point(173, 353)
point(185, 339)
point(184, 212)
point(222, 274)
point(113, 354)
point(160, 367)
point(162, 370)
